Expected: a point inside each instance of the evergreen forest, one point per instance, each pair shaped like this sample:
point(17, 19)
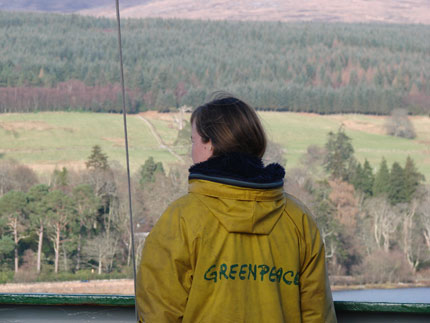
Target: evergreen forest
point(70, 62)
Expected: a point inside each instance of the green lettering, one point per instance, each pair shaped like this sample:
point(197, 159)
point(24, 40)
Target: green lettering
point(264, 270)
point(254, 273)
point(232, 271)
point(222, 270)
point(211, 275)
point(279, 274)
point(272, 275)
point(296, 279)
point(242, 271)
point(288, 282)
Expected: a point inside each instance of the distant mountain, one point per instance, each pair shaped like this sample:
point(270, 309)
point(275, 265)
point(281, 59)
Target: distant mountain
point(390, 11)
point(65, 6)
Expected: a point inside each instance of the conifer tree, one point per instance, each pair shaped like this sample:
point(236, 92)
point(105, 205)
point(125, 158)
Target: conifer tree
point(356, 178)
point(368, 179)
point(340, 155)
point(363, 178)
point(412, 179)
point(149, 170)
point(97, 159)
point(86, 204)
point(6, 244)
point(12, 208)
point(382, 179)
point(396, 192)
point(61, 211)
point(60, 179)
point(37, 211)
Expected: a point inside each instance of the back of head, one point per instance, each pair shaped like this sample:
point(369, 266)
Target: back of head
point(231, 125)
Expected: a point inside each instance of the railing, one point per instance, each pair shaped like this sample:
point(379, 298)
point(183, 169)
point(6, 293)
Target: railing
point(120, 308)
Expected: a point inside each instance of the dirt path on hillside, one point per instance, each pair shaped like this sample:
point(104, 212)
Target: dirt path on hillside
point(114, 287)
point(158, 138)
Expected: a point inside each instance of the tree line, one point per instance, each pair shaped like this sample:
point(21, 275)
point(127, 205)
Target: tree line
point(78, 221)
point(375, 221)
point(375, 224)
point(70, 62)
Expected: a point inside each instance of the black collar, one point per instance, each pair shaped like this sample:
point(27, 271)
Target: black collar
point(239, 169)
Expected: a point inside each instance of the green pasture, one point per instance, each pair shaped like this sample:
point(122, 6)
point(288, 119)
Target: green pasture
point(52, 138)
point(296, 131)
point(66, 138)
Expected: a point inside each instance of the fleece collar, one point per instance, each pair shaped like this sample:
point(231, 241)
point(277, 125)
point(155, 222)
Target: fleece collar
point(239, 169)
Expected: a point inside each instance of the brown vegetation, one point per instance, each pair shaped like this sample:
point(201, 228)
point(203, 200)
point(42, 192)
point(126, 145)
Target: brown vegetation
point(64, 95)
point(373, 124)
point(115, 287)
point(26, 125)
point(410, 11)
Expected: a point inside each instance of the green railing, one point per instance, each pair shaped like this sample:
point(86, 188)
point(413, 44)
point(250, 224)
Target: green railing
point(66, 299)
point(120, 308)
point(128, 301)
point(417, 308)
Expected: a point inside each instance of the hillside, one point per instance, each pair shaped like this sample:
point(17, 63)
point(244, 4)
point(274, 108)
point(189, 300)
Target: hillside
point(50, 140)
point(46, 141)
point(52, 62)
point(392, 11)
point(64, 6)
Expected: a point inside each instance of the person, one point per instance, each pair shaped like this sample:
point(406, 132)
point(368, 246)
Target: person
point(236, 248)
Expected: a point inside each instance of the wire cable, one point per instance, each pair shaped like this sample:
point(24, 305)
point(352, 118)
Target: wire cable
point(124, 113)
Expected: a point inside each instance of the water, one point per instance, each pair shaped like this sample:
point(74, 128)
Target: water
point(398, 295)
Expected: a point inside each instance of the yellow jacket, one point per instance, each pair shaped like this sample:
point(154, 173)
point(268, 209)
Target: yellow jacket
point(225, 253)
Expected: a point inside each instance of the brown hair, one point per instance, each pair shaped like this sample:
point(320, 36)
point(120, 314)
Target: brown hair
point(231, 125)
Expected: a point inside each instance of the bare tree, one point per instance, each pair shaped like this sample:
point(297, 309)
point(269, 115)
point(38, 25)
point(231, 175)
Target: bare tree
point(164, 190)
point(86, 208)
point(274, 154)
point(38, 213)
point(313, 157)
point(343, 197)
point(123, 221)
point(14, 176)
point(60, 213)
point(385, 221)
point(180, 91)
point(399, 125)
point(424, 209)
point(102, 248)
point(295, 183)
point(410, 246)
point(12, 206)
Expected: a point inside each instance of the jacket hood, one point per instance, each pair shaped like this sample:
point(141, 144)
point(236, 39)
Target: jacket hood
point(243, 194)
point(240, 170)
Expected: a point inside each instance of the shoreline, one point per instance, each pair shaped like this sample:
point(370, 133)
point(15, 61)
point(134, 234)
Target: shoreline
point(336, 288)
point(125, 287)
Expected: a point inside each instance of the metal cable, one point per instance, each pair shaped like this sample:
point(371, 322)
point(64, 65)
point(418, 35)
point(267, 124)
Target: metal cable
point(124, 113)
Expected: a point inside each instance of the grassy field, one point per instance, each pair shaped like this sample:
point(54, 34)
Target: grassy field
point(296, 131)
point(50, 140)
point(45, 141)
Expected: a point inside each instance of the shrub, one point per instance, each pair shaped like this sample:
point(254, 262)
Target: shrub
point(399, 125)
point(384, 267)
point(27, 271)
point(424, 274)
point(6, 276)
point(85, 274)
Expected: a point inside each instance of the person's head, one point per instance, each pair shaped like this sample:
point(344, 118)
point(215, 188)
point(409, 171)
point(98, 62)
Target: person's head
point(224, 125)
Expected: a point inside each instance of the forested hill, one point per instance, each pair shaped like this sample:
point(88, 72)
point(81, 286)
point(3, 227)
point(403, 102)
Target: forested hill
point(390, 11)
point(64, 6)
point(58, 62)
